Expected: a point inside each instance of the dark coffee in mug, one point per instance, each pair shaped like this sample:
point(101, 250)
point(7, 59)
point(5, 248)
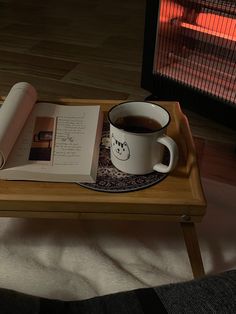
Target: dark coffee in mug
point(137, 124)
point(138, 138)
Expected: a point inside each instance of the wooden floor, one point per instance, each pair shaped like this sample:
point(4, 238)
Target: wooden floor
point(92, 49)
point(73, 48)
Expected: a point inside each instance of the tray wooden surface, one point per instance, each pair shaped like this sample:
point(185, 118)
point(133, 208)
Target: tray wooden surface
point(179, 197)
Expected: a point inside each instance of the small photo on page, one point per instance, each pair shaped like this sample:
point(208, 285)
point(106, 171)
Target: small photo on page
point(43, 140)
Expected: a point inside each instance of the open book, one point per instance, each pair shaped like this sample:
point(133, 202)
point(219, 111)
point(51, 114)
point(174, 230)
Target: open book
point(48, 142)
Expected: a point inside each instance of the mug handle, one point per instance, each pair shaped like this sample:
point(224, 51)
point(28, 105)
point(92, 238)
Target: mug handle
point(174, 154)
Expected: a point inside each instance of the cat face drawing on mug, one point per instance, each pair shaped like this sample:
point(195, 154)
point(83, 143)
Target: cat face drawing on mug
point(120, 150)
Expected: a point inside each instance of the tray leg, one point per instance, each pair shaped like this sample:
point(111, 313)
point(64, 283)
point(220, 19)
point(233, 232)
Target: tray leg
point(193, 249)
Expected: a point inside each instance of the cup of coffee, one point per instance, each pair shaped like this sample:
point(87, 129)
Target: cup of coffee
point(138, 138)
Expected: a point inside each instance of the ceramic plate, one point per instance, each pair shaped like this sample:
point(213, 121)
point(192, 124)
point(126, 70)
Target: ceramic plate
point(110, 179)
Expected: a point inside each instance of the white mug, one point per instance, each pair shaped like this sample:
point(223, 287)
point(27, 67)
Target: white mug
point(138, 137)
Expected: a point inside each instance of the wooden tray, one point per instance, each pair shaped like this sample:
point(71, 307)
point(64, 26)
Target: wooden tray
point(177, 198)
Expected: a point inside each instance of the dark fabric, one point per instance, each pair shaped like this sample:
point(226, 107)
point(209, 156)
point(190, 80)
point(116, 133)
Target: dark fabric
point(52, 307)
point(212, 294)
point(140, 301)
point(117, 303)
point(12, 302)
point(149, 301)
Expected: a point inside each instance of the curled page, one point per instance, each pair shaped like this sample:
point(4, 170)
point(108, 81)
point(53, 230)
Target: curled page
point(13, 114)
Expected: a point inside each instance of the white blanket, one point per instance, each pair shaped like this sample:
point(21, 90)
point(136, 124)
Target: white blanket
point(69, 259)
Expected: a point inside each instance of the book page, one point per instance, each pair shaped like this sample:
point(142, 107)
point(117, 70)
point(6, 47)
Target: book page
point(13, 114)
point(68, 146)
point(62, 144)
point(42, 143)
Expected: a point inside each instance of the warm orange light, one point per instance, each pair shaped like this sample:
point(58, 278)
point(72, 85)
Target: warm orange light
point(207, 23)
point(208, 31)
point(217, 23)
point(170, 10)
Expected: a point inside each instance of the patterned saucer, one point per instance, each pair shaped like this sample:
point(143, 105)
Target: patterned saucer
point(110, 179)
